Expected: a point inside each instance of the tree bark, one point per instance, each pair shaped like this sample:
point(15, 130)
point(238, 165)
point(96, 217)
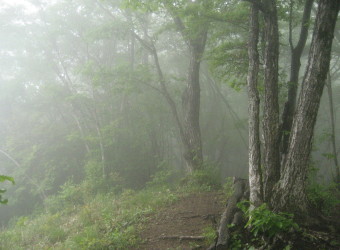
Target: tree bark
point(296, 52)
point(196, 38)
point(333, 141)
point(231, 215)
point(271, 105)
point(190, 128)
point(255, 173)
point(191, 107)
point(292, 185)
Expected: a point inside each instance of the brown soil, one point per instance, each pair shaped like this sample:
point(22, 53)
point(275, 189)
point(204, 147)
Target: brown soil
point(187, 217)
point(190, 215)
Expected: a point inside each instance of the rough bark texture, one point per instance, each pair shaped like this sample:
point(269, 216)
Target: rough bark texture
point(191, 106)
point(292, 185)
point(296, 52)
point(255, 174)
point(271, 105)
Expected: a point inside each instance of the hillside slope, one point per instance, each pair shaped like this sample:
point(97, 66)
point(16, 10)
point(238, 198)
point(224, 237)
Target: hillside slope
point(195, 215)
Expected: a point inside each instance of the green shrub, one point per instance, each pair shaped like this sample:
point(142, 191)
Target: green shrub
point(124, 238)
point(263, 221)
point(69, 196)
point(78, 219)
point(205, 179)
point(210, 235)
point(324, 197)
point(163, 178)
point(4, 178)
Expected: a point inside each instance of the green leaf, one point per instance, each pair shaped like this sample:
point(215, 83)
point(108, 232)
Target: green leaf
point(4, 178)
point(5, 201)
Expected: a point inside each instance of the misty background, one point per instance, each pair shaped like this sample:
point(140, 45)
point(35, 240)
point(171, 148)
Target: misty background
point(80, 98)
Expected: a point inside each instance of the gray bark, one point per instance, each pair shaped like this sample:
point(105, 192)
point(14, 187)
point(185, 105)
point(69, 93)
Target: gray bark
point(255, 173)
point(292, 185)
point(231, 213)
point(296, 52)
point(196, 41)
point(271, 105)
point(191, 107)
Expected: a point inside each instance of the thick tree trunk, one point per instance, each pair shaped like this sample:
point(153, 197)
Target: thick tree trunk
point(195, 37)
point(296, 52)
point(292, 185)
point(255, 174)
point(191, 110)
point(271, 105)
point(189, 128)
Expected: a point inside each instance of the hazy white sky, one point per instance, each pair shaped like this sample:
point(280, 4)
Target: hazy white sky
point(29, 7)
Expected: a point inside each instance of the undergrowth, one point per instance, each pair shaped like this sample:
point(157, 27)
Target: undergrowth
point(261, 227)
point(324, 197)
point(78, 218)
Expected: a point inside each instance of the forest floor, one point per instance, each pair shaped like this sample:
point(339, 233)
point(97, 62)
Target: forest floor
point(197, 215)
point(194, 215)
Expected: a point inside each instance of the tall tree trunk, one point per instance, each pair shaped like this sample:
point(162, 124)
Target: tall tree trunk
point(191, 107)
point(255, 173)
point(100, 139)
point(333, 141)
point(296, 52)
point(292, 185)
point(190, 128)
point(271, 105)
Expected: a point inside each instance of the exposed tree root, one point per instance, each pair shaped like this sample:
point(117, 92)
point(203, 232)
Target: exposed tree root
point(232, 214)
point(316, 232)
point(179, 237)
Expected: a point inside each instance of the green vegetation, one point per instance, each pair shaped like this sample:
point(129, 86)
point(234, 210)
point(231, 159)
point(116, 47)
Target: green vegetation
point(210, 235)
point(324, 197)
point(110, 110)
point(263, 225)
point(265, 222)
point(4, 178)
point(77, 218)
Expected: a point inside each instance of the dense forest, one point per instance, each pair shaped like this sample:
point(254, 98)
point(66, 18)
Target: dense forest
point(112, 109)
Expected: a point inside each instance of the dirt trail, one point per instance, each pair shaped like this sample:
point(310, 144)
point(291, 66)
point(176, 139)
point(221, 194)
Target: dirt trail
point(186, 217)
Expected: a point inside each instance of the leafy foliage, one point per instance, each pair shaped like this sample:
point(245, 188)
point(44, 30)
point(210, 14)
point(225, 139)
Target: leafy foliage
point(210, 234)
point(95, 221)
point(263, 221)
point(324, 197)
point(80, 95)
point(4, 178)
point(206, 178)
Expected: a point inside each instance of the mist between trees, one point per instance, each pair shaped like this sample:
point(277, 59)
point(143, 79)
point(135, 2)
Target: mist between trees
point(114, 91)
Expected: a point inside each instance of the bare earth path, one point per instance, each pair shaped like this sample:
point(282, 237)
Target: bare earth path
point(186, 217)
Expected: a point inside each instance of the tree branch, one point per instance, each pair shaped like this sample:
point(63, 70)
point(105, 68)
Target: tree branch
point(305, 23)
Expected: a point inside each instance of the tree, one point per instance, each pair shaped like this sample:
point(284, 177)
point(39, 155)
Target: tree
point(285, 182)
point(295, 65)
point(191, 22)
point(255, 172)
point(194, 30)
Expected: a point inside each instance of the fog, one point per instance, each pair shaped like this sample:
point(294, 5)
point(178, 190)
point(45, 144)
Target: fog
point(81, 99)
